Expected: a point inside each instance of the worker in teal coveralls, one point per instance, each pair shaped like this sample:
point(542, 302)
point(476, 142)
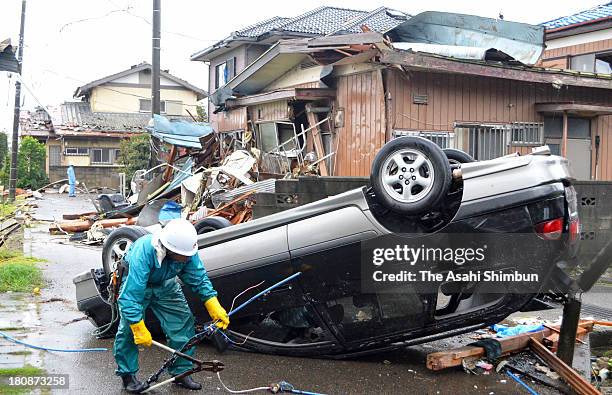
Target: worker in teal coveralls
point(154, 261)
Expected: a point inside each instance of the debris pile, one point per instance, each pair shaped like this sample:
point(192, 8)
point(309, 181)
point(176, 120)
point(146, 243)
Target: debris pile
point(525, 353)
point(198, 176)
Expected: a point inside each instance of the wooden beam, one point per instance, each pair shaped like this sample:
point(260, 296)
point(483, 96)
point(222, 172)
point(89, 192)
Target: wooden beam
point(346, 39)
point(564, 137)
point(569, 375)
point(283, 94)
point(419, 61)
point(445, 359)
point(573, 107)
point(317, 139)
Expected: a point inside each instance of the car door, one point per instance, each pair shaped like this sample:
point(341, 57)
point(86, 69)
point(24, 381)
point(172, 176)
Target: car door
point(327, 250)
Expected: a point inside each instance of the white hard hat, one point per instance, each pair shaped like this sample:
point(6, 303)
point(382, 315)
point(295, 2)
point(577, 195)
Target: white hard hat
point(179, 236)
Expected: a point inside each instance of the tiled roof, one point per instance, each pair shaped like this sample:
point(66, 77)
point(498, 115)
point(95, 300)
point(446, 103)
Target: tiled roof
point(261, 27)
point(318, 22)
point(78, 116)
point(601, 11)
point(329, 20)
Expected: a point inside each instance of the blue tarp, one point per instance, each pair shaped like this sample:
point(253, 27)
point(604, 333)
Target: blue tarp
point(179, 133)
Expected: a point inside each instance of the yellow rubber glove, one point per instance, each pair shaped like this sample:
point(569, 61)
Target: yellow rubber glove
point(217, 312)
point(141, 334)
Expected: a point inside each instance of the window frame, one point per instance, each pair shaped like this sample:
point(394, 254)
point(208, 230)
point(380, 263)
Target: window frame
point(229, 71)
point(162, 105)
point(101, 162)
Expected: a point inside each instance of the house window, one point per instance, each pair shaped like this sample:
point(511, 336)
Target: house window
point(225, 72)
point(101, 156)
point(145, 105)
point(277, 136)
point(76, 151)
point(55, 155)
point(442, 139)
point(117, 156)
point(483, 141)
point(592, 63)
point(526, 133)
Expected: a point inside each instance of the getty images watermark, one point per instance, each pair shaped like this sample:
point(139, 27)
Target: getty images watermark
point(477, 263)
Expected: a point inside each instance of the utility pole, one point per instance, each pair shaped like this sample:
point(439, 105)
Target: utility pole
point(17, 111)
point(155, 102)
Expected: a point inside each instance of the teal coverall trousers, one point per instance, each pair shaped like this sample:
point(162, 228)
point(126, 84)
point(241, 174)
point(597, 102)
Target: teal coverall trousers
point(170, 307)
point(153, 284)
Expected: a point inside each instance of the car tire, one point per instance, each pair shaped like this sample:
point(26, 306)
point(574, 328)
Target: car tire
point(403, 187)
point(458, 156)
point(116, 245)
point(210, 224)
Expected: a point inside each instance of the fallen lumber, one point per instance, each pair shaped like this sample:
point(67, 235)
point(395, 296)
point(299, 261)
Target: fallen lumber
point(446, 359)
point(569, 375)
point(79, 216)
point(82, 226)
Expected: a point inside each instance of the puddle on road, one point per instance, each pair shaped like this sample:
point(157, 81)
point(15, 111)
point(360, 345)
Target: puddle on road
point(20, 319)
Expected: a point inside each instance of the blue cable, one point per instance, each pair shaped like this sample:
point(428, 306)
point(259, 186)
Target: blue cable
point(11, 339)
point(521, 382)
point(270, 288)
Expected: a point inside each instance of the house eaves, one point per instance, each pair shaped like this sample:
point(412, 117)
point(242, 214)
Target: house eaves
point(84, 90)
point(280, 59)
point(441, 64)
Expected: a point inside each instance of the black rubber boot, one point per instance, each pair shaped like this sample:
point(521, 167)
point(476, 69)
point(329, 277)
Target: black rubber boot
point(132, 385)
point(187, 382)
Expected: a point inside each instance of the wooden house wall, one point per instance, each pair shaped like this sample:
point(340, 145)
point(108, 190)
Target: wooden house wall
point(274, 111)
point(560, 57)
point(361, 97)
point(451, 98)
point(231, 120)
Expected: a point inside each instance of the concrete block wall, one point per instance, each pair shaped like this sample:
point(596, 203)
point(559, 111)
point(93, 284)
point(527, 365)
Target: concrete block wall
point(92, 176)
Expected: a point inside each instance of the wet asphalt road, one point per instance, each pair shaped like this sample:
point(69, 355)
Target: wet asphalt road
point(48, 320)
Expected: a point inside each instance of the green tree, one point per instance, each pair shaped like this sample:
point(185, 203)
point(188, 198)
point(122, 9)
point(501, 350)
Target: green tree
point(31, 164)
point(5, 172)
point(3, 146)
point(202, 114)
point(135, 153)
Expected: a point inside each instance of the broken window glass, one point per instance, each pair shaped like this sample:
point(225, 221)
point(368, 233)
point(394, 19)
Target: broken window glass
point(268, 139)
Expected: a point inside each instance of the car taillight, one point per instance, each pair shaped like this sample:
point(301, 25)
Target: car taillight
point(574, 229)
point(550, 230)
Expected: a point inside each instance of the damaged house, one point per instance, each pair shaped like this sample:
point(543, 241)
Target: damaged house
point(87, 134)
point(343, 95)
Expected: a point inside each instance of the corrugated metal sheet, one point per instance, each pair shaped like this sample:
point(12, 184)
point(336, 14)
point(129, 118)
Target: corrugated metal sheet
point(598, 12)
point(361, 97)
point(522, 41)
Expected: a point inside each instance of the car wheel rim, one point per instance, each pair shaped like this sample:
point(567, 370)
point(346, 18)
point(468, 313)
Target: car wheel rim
point(117, 251)
point(407, 175)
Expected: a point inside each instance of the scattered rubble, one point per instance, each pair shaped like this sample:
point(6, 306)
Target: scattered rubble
point(526, 352)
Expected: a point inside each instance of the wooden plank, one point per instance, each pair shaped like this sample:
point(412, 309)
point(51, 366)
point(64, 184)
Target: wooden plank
point(445, 359)
point(573, 107)
point(317, 139)
point(569, 375)
point(346, 39)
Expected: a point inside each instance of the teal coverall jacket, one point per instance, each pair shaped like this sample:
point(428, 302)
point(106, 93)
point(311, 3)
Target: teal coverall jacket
point(152, 284)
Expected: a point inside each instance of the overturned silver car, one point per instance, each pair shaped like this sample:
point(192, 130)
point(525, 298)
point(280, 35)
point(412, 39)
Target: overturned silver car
point(415, 189)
